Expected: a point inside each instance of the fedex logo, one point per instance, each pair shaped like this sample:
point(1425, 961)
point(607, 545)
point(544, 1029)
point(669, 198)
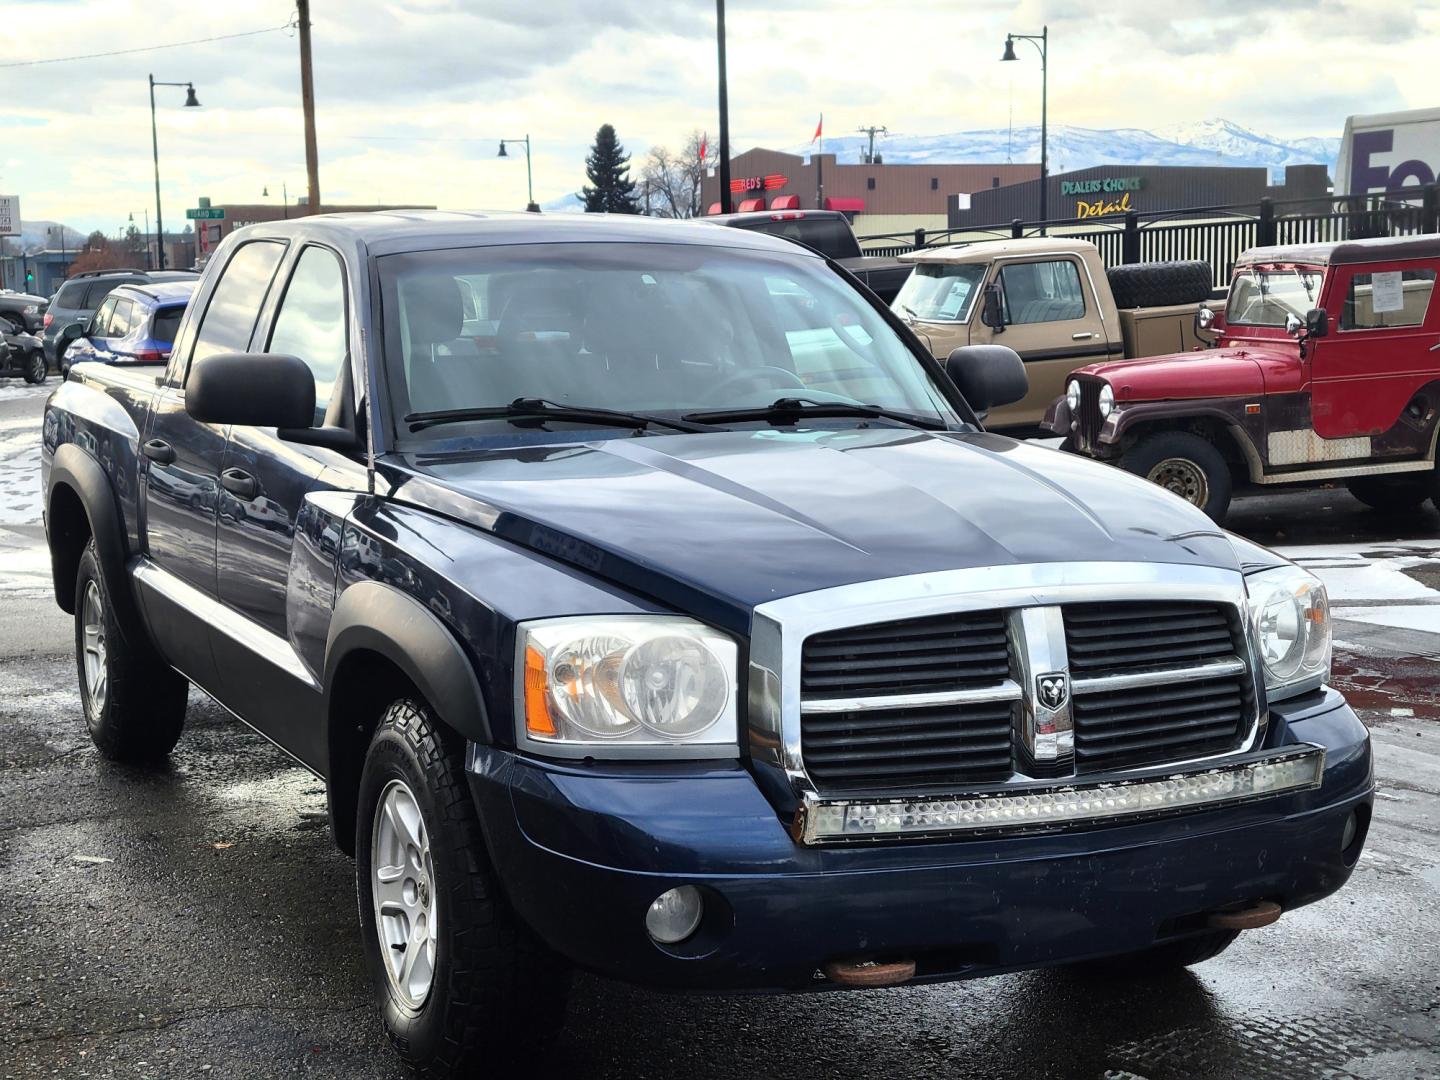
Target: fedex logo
point(1367, 176)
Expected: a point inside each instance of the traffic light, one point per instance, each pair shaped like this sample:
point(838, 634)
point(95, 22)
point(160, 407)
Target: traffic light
point(29, 276)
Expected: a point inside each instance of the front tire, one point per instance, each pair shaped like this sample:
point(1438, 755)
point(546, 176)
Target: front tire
point(460, 982)
point(134, 703)
point(1185, 464)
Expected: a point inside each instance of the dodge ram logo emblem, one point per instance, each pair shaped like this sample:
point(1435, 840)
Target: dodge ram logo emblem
point(1052, 690)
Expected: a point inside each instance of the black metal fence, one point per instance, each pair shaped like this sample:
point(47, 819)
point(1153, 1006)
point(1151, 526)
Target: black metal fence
point(1213, 234)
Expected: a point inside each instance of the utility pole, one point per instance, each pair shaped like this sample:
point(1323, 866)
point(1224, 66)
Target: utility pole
point(872, 131)
point(725, 205)
point(307, 98)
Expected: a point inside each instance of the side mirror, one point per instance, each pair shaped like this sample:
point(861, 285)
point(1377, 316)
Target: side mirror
point(987, 376)
point(1293, 325)
point(1204, 318)
point(1317, 323)
point(251, 389)
point(992, 313)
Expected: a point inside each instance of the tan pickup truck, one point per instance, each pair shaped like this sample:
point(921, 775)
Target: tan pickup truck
point(1054, 303)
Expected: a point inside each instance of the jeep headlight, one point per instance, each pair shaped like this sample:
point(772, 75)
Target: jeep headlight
point(1107, 401)
point(626, 686)
point(1072, 396)
point(1290, 612)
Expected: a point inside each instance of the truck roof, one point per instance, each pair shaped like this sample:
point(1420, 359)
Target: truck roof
point(390, 231)
point(987, 250)
point(1341, 252)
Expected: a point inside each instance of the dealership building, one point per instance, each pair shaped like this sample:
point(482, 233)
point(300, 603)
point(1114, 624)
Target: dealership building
point(878, 197)
point(1114, 189)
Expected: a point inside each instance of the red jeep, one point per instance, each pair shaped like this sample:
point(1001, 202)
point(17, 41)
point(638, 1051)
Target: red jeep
point(1327, 367)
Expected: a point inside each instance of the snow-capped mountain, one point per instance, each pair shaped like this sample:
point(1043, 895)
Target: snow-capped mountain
point(35, 235)
point(1208, 142)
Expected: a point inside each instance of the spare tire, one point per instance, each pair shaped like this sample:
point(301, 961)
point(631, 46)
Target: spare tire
point(1160, 284)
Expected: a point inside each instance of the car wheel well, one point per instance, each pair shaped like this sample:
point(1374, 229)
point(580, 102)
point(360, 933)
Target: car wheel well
point(364, 685)
point(1212, 429)
point(69, 532)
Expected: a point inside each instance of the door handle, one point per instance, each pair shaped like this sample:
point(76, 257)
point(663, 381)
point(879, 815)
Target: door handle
point(1083, 337)
point(159, 451)
point(240, 483)
point(1435, 347)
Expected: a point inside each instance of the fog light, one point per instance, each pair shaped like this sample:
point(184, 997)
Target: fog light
point(674, 915)
point(1352, 826)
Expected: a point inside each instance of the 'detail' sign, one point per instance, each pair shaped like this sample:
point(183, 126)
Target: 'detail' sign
point(1114, 191)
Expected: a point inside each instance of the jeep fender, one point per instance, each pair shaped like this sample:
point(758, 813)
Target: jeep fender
point(75, 470)
point(1149, 412)
point(381, 619)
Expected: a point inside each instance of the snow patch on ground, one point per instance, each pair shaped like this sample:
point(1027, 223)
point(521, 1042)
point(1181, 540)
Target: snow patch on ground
point(19, 391)
point(1422, 617)
point(19, 479)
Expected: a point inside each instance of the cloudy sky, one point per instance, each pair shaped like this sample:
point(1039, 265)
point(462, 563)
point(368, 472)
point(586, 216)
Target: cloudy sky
point(413, 96)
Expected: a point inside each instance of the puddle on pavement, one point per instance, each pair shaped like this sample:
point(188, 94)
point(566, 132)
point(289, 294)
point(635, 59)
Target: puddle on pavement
point(1403, 687)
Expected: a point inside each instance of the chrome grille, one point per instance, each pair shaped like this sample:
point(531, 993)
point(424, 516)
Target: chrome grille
point(950, 699)
point(1088, 416)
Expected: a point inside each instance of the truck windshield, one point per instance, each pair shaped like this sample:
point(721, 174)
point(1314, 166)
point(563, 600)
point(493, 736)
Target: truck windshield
point(940, 292)
point(664, 329)
point(1266, 297)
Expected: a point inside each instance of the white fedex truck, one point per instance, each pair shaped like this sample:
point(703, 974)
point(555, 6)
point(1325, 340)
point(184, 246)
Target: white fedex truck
point(1388, 152)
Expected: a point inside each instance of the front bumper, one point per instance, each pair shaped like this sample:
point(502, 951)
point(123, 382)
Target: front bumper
point(582, 852)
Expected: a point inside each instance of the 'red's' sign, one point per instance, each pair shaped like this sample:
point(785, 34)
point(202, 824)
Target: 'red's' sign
point(759, 183)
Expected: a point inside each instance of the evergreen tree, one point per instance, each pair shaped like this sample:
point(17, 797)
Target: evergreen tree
point(608, 169)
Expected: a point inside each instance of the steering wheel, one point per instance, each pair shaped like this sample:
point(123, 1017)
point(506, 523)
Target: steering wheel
point(765, 375)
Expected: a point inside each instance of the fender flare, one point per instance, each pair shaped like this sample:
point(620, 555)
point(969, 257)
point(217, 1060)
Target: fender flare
point(1131, 415)
point(73, 468)
point(382, 619)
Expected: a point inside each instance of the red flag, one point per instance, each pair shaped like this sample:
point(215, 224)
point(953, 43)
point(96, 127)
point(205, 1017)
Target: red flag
point(818, 128)
point(703, 139)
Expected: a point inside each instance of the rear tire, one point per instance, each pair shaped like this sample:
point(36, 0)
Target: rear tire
point(1393, 494)
point(1161, 960)
point(479, 986)
point(1186, 465)
point(35, 368)
point(134, 703)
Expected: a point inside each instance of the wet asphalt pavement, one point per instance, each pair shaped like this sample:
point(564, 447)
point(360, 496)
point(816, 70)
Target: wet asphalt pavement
point(196, 921)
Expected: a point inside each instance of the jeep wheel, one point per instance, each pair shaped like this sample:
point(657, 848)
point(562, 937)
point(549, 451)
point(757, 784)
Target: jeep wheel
point(1391, 494)
point(35, 369)
point(1161, 960)
point(134, 703)
point(1185, 464)
point(459, 980)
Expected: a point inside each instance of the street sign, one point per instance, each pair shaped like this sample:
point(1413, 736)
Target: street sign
point(9, 215)
point(206, 213)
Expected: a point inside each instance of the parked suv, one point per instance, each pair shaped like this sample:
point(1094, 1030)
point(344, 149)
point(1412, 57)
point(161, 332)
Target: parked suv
point(135, 324)
point(81, 295)
point(22, 310)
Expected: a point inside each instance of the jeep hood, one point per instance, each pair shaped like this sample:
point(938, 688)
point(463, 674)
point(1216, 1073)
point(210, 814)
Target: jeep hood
point(1233, 372)
point(735, 519)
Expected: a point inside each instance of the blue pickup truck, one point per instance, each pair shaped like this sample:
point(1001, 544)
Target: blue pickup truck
point(651, 602)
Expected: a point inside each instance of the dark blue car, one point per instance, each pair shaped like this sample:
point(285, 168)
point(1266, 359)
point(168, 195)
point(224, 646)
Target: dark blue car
point(135, 325)
point(652, 602)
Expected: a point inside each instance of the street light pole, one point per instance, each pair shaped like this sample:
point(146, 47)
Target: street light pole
point(532, 207)
point(725, 204)
point(191, 102)
point(1041, 41)
point(307, 102)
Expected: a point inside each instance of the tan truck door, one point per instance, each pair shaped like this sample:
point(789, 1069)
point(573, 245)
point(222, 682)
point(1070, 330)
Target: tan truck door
point(1052, 319)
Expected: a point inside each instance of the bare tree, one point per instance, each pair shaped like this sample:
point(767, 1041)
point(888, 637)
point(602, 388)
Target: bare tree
point(670, 181)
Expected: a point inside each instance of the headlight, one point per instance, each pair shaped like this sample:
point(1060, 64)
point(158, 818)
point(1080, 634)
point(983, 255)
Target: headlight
point(1072, 396)
point(1107, 401)
point(1290, 611)
point(626, 686)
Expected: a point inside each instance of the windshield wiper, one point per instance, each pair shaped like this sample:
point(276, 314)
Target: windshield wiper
point(910, 311)
point(540, 409)
point(790, 409)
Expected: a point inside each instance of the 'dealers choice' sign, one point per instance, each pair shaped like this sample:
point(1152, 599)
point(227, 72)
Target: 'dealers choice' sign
point(9, 215)
point(1114, 192)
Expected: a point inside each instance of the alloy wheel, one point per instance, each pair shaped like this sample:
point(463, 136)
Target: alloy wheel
point(93, 632)
point(402, 889)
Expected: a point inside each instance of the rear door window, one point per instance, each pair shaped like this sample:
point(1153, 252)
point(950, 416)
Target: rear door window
point(235, 304)
point(1387, 298)
point(121, 318)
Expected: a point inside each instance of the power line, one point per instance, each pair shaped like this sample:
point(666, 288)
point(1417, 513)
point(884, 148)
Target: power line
point(147, 48)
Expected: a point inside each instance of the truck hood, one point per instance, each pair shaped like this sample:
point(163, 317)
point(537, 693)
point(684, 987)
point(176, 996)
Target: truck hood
point(718, 523)
point(1233, 372)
